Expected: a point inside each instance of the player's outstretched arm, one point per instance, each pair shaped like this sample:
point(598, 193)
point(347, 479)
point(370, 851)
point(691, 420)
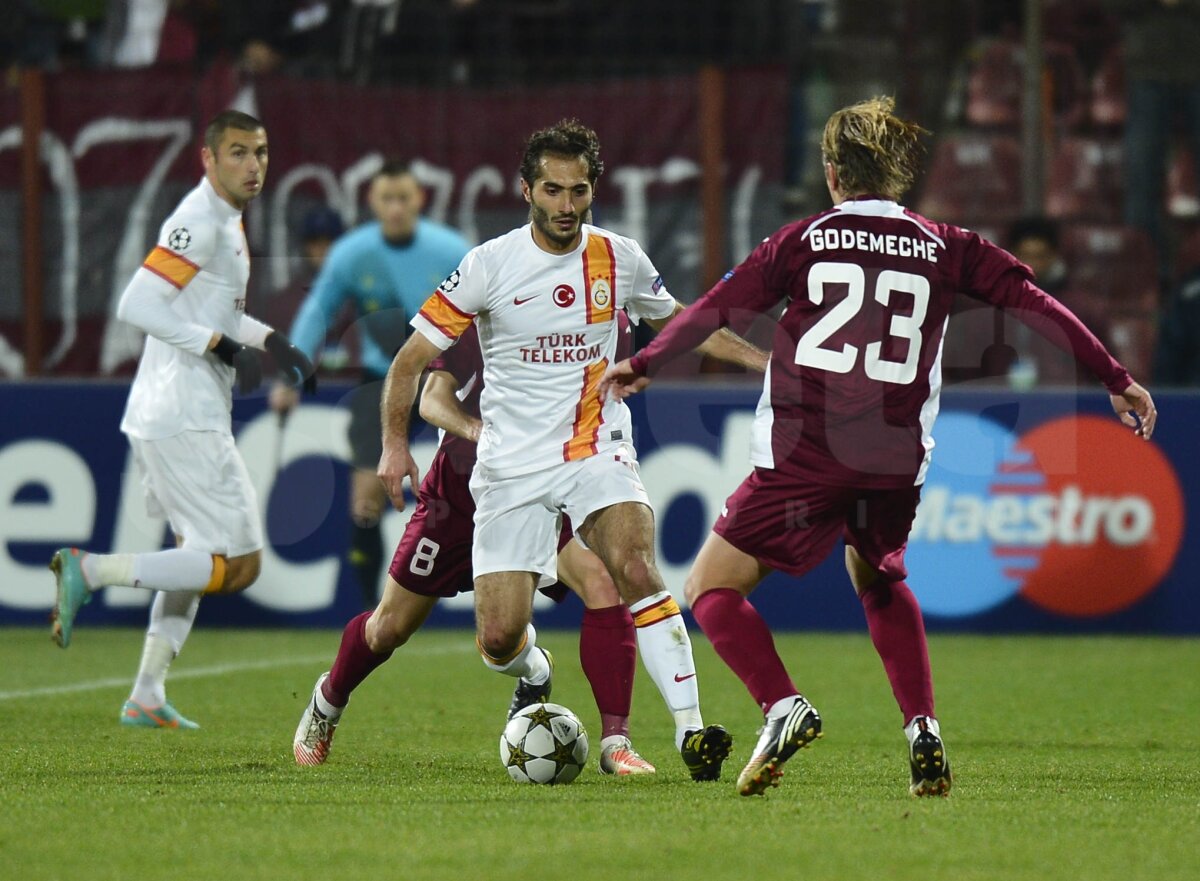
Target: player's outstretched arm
point(723, 344)
point(441, 408)
point(399, 392)
point(620, 381)
point(1136, 409)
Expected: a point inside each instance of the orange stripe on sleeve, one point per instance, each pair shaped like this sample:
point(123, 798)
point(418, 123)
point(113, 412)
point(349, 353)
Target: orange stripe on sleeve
point(167, 264)
point(599, 272)
point(655, 613)
point(445, 316)
point(586, 428)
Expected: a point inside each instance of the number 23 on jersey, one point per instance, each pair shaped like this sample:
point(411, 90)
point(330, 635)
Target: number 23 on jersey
point(812, 352)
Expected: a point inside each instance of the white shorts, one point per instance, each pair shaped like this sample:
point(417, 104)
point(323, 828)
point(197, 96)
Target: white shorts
point(198, 481)
point(517, 519)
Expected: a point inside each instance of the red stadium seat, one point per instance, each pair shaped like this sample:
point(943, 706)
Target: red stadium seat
point(994, 86)
point(975, 177)
point(995, 83)
point(1183, 196)
point(1086, 180)
point(1115, 265)
point(1108, 106)
point(1133, 339)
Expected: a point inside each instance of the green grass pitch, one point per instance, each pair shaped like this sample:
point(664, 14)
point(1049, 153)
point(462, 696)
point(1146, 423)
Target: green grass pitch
point(1074, 758)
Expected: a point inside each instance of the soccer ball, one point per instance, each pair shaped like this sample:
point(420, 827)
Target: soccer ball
point(544, 743)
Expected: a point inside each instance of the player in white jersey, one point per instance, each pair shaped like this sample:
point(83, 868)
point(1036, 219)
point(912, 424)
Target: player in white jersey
point(545, 297)
point(189, 297)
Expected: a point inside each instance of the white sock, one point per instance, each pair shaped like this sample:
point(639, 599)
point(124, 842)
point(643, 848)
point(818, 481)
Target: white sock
point(528, 664)
point(666, 651)
point(325, 708)
point(178, 569)
point(171, 617)
point(782, 707)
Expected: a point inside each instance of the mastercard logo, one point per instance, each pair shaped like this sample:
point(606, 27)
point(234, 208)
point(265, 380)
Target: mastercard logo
point(1077, 516)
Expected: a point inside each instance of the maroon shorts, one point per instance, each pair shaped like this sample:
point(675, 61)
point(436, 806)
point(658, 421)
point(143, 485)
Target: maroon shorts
point(434, 555)
point(792, 526)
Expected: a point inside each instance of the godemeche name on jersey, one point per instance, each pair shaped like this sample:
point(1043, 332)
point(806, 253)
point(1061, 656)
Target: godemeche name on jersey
point(563, 348)
point(861, 240)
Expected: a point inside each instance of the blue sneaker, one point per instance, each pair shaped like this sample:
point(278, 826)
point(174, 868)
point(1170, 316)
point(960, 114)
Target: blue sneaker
point(72, 593)
point(136, 715)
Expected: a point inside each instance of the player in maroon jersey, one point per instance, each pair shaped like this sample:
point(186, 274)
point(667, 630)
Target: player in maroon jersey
point(433, 560)
point(842, 437)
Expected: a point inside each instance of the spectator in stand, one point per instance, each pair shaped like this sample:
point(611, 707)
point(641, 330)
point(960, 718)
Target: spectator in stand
point(319, 228)
point(1035, 242)
point(56, 33)
point(1001, 347)
point(1162, 58)
point(292, 36)
point(1177, 355)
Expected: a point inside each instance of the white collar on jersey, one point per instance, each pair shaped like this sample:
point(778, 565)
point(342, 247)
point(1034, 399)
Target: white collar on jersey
point(872, 208)
point(223, 209)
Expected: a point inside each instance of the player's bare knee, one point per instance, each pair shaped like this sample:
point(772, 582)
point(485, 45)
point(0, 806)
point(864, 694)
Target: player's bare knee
point(499, 644)
point(692, 589)
point(385, 631)
point(862, 574)
point(241, 572)
point(637, 577)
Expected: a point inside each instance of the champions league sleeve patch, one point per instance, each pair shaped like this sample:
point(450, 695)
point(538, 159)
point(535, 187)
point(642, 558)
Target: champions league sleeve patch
point(448, 285)
point(657, 286)
point(179, 239)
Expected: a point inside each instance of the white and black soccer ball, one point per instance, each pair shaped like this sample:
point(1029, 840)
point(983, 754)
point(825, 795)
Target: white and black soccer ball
point(544, 743)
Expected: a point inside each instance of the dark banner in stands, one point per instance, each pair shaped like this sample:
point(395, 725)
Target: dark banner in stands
point(120, 149)
point(1041, 513)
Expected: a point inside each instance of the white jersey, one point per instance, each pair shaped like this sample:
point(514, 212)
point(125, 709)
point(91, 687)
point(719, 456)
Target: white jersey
point(548, 332)
point(202, 254)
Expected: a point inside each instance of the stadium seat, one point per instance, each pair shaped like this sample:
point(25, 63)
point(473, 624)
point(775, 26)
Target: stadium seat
point(1133, 339)
point(1108, 106)
point(1116, 265)
point(1187, 252)
point(1183, 196)
point(996, 80)
point(1085, 180)
point(975, 177)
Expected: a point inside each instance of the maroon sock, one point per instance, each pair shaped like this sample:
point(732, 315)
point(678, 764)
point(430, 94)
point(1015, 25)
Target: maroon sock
point(608, 655)
point(353, 664)
point(744, 642)
point(894, 619)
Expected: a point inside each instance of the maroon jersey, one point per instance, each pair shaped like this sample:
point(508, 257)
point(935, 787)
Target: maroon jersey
point(854, 380)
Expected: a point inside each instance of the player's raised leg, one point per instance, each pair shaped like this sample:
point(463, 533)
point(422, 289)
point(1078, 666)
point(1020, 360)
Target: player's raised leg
point(717, 586)
point(608, 655)
point(622, 535)
point(368, 640)
point(78, 574)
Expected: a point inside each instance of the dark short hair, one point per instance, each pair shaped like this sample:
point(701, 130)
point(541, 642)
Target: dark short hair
point(228, 119)
point(568, 137)
point(321, 223)
point(393, 167)
point(1033, 228)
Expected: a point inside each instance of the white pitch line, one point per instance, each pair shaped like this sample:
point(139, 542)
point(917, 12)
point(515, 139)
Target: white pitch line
point(204, 672)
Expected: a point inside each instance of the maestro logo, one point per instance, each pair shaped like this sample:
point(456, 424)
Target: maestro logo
point(1077, 516)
